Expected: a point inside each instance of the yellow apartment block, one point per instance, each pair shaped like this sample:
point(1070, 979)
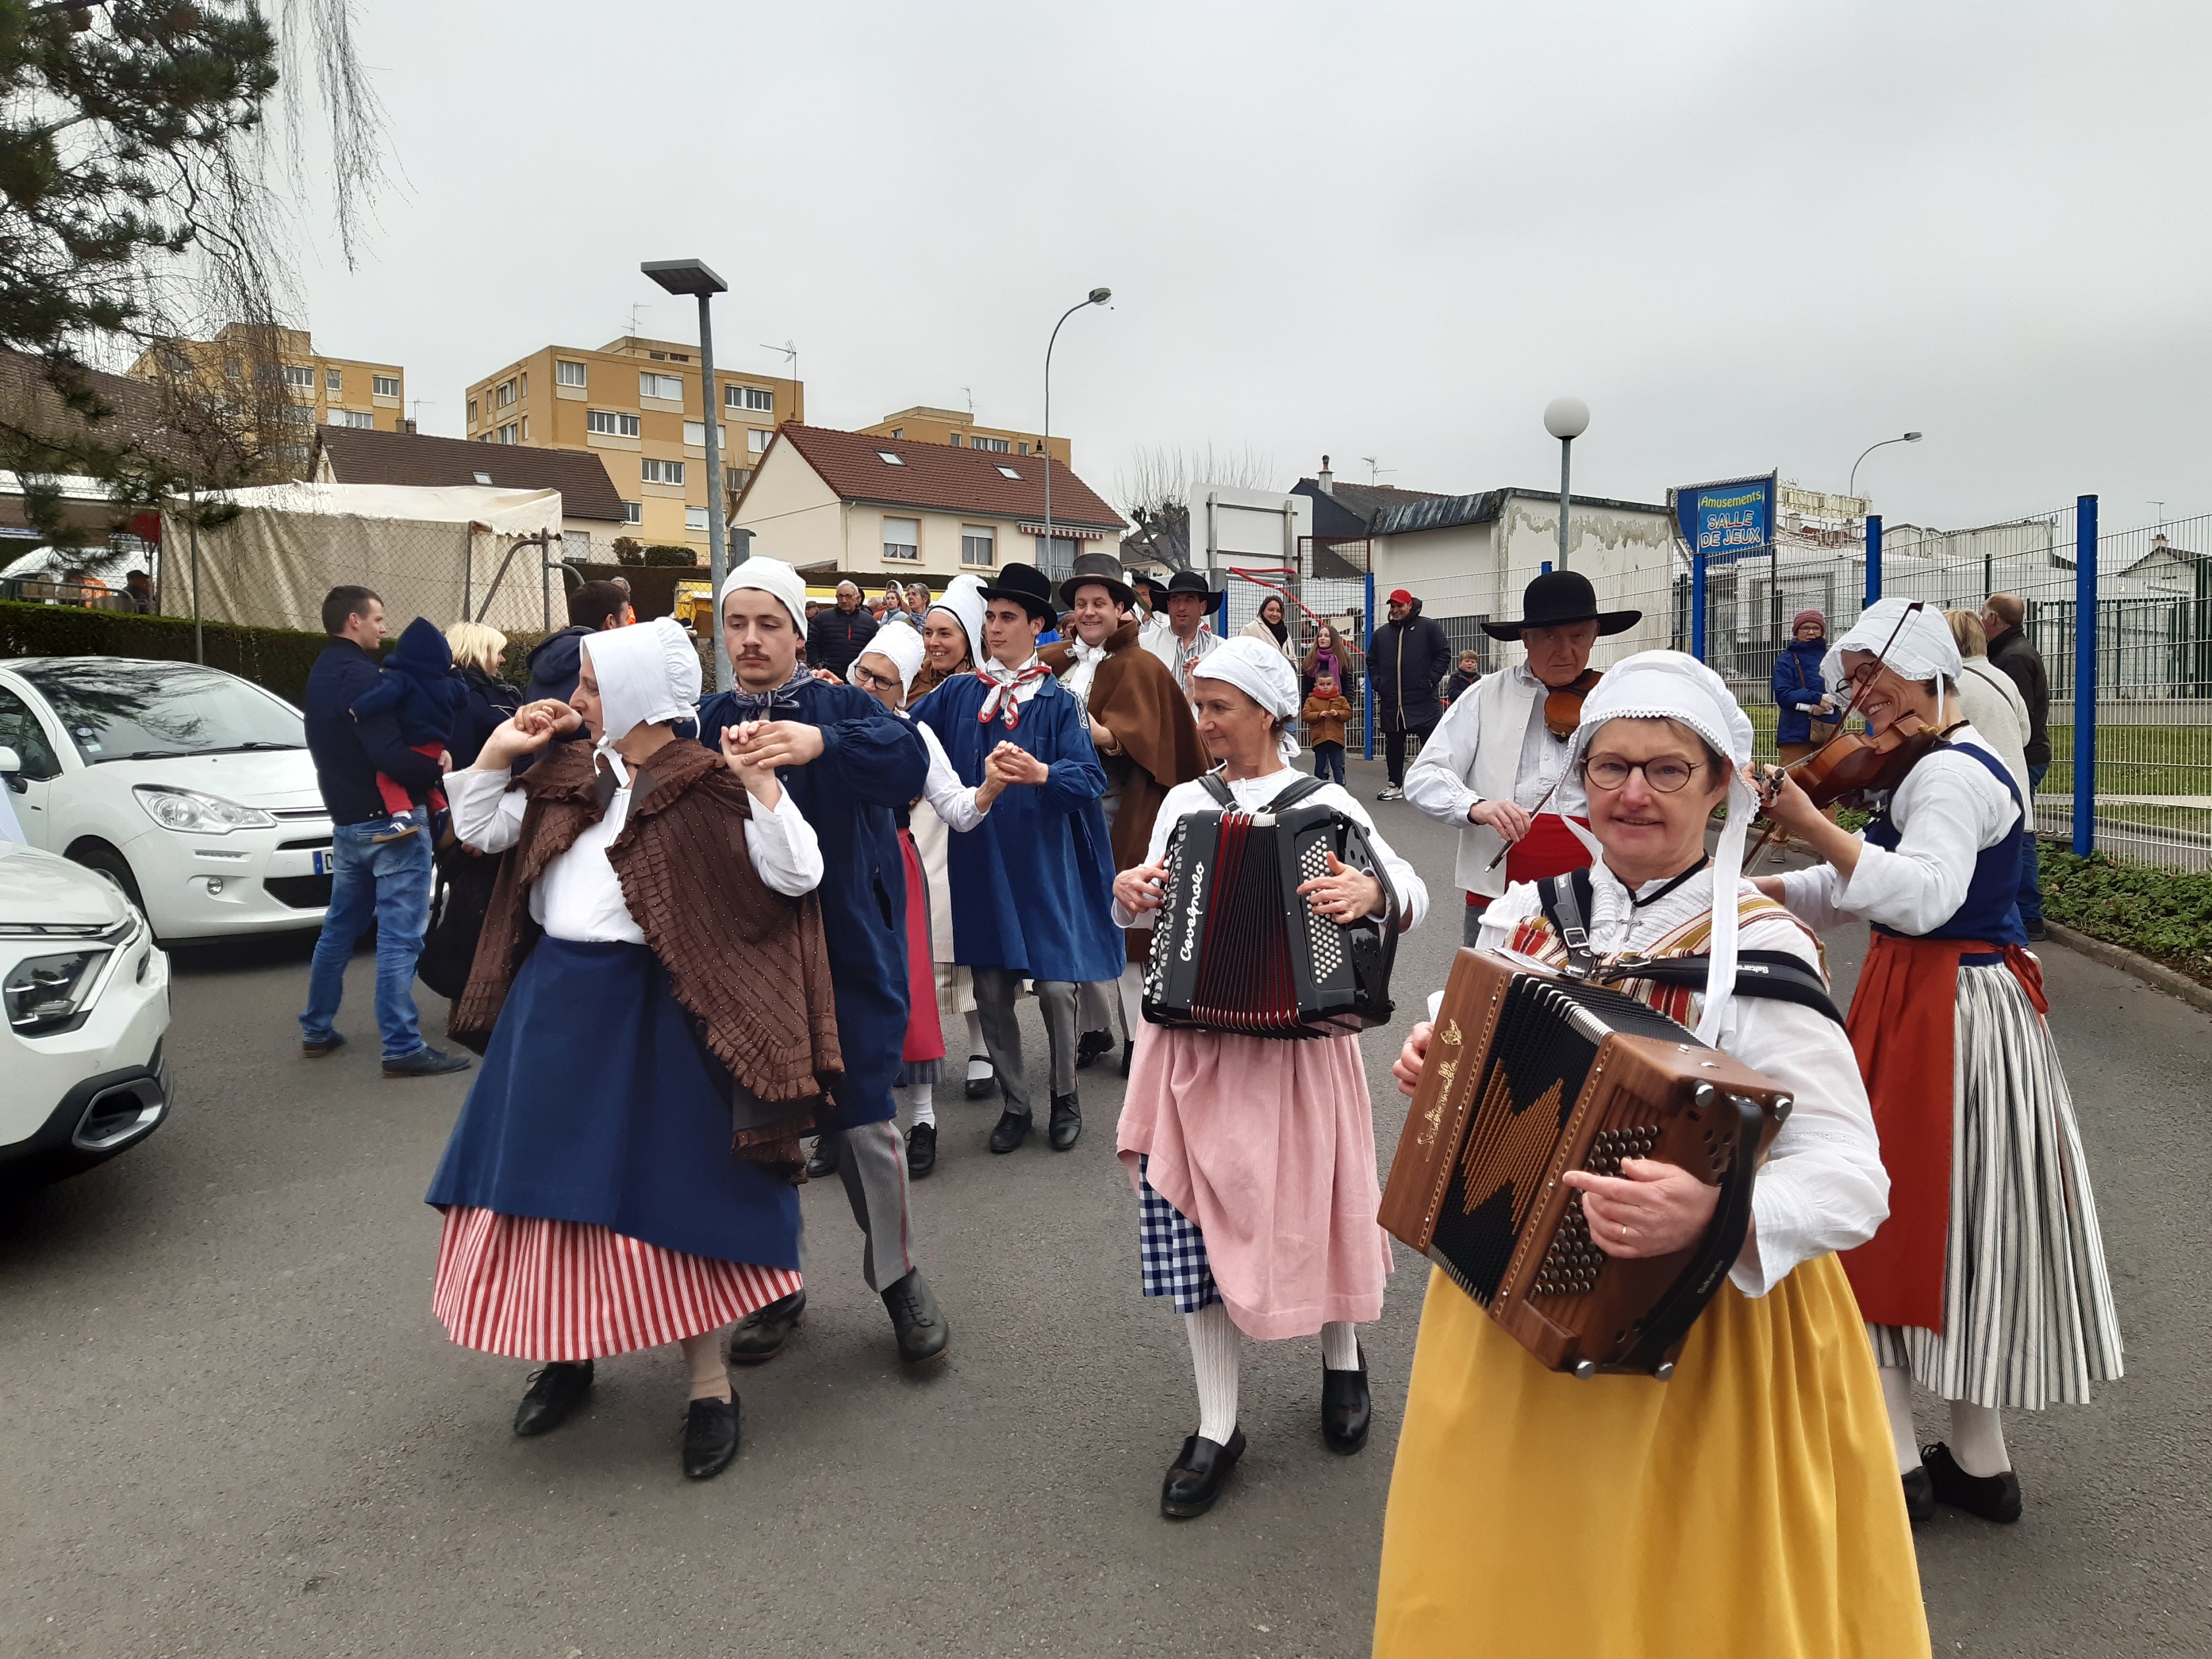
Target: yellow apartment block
point(320, 391)
point(922, 424)
point(636, 403)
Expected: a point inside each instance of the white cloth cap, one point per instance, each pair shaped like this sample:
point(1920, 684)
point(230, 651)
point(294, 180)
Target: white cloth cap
point(901, 647)
point(1262, 672)
point(647, 674)
point(1669, 685)
point(963, 601)
point(770, 576)
point(1923, 650)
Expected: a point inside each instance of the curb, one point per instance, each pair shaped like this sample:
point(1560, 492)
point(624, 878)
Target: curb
point(2156, 975)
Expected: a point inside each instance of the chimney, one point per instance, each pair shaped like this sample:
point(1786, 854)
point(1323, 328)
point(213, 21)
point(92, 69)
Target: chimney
point(406, 425)
point(1327, 479)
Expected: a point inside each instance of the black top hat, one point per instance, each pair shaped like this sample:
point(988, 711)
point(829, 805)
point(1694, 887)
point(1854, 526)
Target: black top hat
point(1103, 569)
point(1189, 582)
point(1558, 598)
point(1027, 586)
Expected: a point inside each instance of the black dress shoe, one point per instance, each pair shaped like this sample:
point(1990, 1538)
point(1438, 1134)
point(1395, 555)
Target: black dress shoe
point(920, 1323)
point(1013, 1129)
point(1090, 1046)
point(822, 1160)
point(1919, 1496)
point(710, 1438)
point(1067, 1123)
point(553, 1393)
point(1993, 1497)
point(1347, 1409)
point(1196, 1477)
point(921, 1150)
point(760, 1335)
point(983, 1087)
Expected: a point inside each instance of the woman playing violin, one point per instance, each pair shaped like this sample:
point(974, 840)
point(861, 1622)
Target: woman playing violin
point(1987, 1284)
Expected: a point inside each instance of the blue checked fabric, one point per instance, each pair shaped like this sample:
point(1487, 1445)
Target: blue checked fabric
point(1171, 1251)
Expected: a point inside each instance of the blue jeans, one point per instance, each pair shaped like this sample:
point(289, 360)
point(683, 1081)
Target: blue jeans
point(387, 884)
point(2031, 883)
point(1328, 761)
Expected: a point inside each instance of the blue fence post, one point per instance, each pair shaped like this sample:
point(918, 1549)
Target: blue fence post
point(2084, 675)
point(1873, 557)
point(1698, 605)
point(1367, 646)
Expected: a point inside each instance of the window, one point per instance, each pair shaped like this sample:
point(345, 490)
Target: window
point(902, 538)
point(975, 545)
point(359, 417)
point(956, 441)
point(898, 431)
point(999, 444)
point(888, 458)
point(384, 386)
point(567, 373)
point(660, 386)
point(21, 730)
point(299, 414)
point(523, 386)
point(299, 375)
point(632, 511)
point(1057, 561)
point(484, 477)
point(510, 434)
point(1024, 449)
point(503, 395)
point(615, 425)
point(667, 472)
point(525, 428)
point(669, 356)
point(472, 411)
point(748, 397)
point(1008, 472)
point(735, 478)
point(233, 367)
point(757, 440)
point(334, 380)
point(695, 518)
point(695, 433)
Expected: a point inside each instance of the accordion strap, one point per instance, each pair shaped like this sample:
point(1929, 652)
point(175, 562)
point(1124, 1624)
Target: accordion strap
point(1566, 901)
point(1291, 795)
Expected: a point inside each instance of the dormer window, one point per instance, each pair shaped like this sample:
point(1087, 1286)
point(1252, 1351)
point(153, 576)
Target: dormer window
point(1008, 472)
point(888, 458)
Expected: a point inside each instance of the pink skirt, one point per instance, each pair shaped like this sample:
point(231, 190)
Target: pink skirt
point(1268, 1148)
point(532, 1289)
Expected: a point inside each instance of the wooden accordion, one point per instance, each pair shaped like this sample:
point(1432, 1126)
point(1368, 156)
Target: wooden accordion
point(1530, 1074)
point(1237, 948)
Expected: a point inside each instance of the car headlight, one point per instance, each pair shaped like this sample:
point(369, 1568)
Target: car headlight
point(45, 994)
point(188, 809)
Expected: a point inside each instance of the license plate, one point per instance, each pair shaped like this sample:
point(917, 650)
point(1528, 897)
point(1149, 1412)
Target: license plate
point(324, 866)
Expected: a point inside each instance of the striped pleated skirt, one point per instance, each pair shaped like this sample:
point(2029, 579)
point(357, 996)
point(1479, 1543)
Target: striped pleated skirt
point(2028, 1319)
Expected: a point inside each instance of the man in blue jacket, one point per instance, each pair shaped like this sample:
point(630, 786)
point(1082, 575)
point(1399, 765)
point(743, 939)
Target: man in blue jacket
point(847, 762)
point(374, 876)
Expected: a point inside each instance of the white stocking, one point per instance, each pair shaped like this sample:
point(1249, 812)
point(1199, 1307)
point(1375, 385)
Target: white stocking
point(1897, 1396)
point(702, 1355)
point(1133, 999)
point(1339, 1347)
point(919, 1100)
point(1976, 1440)
point(1213, 1348)
point(978, 1066)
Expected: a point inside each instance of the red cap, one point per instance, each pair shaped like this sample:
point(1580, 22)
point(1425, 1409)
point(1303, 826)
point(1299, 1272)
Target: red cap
point(1399, 596)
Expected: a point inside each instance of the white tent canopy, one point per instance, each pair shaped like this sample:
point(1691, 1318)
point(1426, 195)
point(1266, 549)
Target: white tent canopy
point(444, 553)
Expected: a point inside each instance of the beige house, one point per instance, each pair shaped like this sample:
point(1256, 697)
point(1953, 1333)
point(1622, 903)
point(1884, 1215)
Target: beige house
point(957, 428)
point(637, 404)
point(850, 501)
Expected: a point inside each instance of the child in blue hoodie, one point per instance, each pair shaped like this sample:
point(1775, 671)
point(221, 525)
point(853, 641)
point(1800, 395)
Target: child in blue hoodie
point(418, 689)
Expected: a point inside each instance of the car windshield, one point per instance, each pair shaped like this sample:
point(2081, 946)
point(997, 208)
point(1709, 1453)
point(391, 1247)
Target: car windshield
point(118, 709)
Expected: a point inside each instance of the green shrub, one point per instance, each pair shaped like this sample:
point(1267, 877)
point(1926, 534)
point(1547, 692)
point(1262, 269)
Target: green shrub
point(276, 659)
point(661, 553)
point(629, 551)
point(2163, 914)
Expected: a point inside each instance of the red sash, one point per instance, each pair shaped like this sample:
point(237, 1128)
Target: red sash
point(924, 1039)
point(1902, 1027)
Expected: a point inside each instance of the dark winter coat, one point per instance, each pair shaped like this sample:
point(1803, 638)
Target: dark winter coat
point(1407, 662)
point(348, 753)
point(415, 686)
point(2016, 653)
point(486, 703)
point(1798, 688)
point(835, 637)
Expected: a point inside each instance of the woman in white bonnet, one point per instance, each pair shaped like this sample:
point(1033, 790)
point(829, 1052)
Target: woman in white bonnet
point(1253, 1160)
point(1747, 1507)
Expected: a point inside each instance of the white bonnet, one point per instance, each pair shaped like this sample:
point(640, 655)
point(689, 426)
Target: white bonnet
point(901, 647)
point(647, 674)
point(962, 600)
point(770, 576)
point(1262, 673)
point(1923, 650)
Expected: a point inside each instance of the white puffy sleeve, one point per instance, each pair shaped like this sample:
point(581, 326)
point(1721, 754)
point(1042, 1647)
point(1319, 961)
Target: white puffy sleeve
point(1949, 807)
point(1405, 881)
point(487, 807)
point(783, 847)
point(949, 798)
point(1436, 780)
point(1183, 797)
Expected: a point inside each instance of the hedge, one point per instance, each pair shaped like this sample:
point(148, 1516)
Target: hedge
point(2164, 914)
point(652, 586)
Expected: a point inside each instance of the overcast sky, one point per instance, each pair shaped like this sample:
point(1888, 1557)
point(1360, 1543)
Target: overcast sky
point(1749, 236)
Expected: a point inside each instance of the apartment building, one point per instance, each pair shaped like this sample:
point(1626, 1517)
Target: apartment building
point(958, 428)
point(318, 389)
point(637, 404)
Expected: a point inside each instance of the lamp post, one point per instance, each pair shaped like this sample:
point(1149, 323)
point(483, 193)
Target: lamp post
point(1565, 419)
point(1851, 488)
point(1098, 297)
point(692, 277)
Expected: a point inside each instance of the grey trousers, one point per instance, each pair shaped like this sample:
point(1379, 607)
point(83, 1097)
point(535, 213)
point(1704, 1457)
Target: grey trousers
point(996, 990)
point(871, 1162)
point(1097, 1000)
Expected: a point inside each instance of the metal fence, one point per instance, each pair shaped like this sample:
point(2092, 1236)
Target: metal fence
point(1310, 600)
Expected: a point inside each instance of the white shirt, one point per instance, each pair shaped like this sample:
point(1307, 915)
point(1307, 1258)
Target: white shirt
point(579, 897)
point(1823, 1187)
point(1083, 662)
point(1987, 698)
point(1492, 745)
point(1179, 657)
point(952, 800)
point(1948, 809)
point(1251, 794)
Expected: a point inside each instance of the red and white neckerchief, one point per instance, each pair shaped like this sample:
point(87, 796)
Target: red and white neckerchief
point(1010, 688)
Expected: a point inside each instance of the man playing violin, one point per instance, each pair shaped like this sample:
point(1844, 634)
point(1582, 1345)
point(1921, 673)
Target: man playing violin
point(1500, 751)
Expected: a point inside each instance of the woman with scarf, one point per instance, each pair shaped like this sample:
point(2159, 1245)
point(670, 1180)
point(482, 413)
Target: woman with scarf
point(1987, 1285)
point(1747, 1508)
point(1253, 1160)
point(1331, 655)
point(653, 985)
point(1271, 628)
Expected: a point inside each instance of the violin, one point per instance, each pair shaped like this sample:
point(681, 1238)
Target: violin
point(1562, 705)
point(1853, 764)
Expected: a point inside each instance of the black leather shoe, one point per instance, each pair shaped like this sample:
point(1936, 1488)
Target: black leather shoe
point(1993, 1497)
point(822, 1160)
point(921, 1150)
point(1919, 1496)
point(983, 1087)
point(1013, 1128)
point(1346, 1410)
point(554, 1392)
point(1066, 1122)
point(920, 1323)
point(1090, 1046)
point(710, 1438)
point(760, 1335)
point(1196, 1477)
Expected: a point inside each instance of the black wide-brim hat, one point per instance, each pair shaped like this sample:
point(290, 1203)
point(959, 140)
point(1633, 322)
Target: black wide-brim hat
point(1105, 570)
point(1558, 598)
point(1027, 586)
point(1189, 582)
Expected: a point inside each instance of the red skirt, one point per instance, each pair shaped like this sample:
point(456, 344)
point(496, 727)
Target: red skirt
point(925, 1038)
point(1549, 849)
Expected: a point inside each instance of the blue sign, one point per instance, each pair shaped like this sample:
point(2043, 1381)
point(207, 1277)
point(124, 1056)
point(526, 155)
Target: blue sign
point(1727, 520)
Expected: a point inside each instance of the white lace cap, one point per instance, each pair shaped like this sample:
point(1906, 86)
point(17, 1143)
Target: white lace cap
point(1923, 650)
point(901, 647)
point(647, 674)
point(770, 576)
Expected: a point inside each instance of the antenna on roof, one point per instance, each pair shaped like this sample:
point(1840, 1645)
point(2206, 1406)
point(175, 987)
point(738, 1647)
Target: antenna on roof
point(971, 390)
point(1375, 472)
point(634, 310)
point(789, 348)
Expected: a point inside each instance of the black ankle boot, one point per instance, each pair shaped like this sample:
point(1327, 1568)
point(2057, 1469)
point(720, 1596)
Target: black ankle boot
point(1090, 1046)
point(710, 1438)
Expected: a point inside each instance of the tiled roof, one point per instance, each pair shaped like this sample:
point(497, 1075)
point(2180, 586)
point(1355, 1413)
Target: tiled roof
point(359, 455)
point(945, 479)
point(1443, 511)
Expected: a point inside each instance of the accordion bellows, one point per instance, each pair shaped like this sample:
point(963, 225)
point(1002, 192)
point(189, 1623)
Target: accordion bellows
point(1530, 1074)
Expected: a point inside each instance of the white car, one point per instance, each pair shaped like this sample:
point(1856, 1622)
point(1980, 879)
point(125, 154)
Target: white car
point(191, 789)
point(86, 997)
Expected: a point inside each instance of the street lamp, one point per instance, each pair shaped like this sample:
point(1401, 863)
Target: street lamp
point(1565, 419)
point(1851, 490)
point(692, 277)
point(1098, 297)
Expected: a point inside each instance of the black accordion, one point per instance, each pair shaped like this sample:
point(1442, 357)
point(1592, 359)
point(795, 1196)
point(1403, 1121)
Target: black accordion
point(1237, 948)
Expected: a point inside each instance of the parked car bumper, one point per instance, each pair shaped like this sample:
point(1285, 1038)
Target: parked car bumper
point(253, 881)
point(78, 1097)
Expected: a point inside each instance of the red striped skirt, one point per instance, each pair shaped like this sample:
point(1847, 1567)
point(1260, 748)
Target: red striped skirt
point(532, 1289)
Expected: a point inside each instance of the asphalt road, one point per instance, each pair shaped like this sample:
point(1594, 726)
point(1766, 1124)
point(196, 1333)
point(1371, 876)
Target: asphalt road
point(230, 1424)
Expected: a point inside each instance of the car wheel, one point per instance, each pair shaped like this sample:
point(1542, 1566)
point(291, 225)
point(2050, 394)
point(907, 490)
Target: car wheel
point(100, 856)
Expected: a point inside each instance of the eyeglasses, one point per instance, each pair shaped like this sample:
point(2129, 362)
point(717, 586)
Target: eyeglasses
point(868, 680)
point(1665, 774)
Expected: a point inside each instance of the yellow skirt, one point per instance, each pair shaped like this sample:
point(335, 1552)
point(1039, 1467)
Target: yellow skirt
point(1749, 1509)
